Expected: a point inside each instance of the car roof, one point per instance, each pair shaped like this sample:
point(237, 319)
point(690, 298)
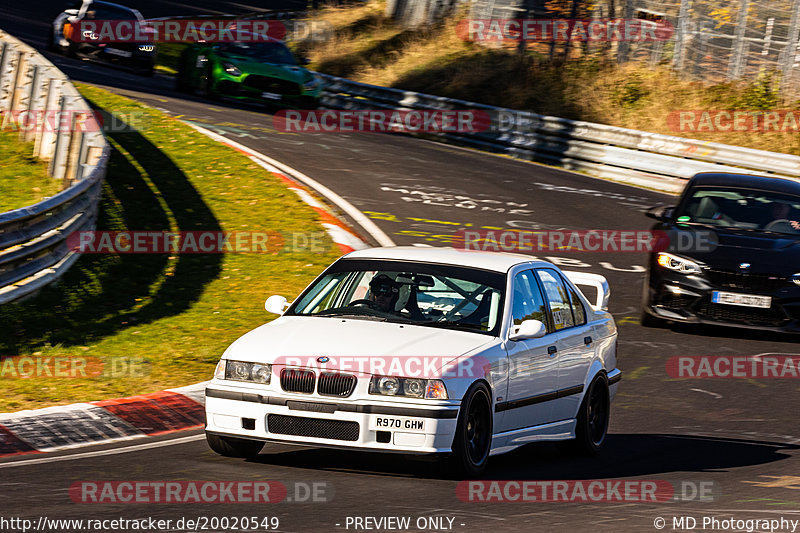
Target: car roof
point(788, 186)
point(103, 3)
point(496, 261)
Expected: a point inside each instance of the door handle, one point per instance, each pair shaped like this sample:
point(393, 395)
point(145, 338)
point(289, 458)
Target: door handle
point(587, 340)
point(551, 350)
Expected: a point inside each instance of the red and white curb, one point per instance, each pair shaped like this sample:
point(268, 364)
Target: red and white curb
point(82, 424)
point(342, 235)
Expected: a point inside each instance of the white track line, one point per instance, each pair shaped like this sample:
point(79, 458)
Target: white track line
point(114, 451)
point(360, 218)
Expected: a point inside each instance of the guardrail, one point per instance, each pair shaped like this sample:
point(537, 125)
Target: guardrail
point(629, 156)
point(34, 93)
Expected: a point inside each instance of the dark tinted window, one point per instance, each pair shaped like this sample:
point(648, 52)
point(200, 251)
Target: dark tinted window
point(266, 52)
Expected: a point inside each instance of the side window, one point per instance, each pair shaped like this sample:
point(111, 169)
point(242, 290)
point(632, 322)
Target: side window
point(527, 302)
point(577, 308)
point(560, 306)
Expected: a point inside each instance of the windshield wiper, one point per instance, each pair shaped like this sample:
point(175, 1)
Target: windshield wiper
point(450, 325)
point(350, 312)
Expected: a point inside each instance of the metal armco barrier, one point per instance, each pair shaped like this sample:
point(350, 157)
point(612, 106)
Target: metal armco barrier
point(33, 248)
point(663, 162)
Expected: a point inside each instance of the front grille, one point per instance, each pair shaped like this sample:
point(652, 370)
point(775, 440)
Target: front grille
point(273, 85)
point(296, 380)
point(744, 315)
point(677, 301)
point(336, 384)
point(319, 428)
point(741, 280)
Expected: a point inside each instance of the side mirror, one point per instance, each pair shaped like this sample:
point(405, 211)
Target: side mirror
point(529, 329)
point(659, 212)
point(275, 304)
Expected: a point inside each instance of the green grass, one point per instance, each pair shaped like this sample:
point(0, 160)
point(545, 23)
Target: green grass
point(23, 179)
point(178, 312)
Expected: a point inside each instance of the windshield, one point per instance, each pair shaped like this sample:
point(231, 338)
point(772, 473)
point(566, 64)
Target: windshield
point(437, 296)
point(106, 12)
point(264, 52)
point(742, 209)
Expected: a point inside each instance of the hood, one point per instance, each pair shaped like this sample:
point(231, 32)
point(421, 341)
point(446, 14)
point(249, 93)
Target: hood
point(248, 65)
point(767, 253)
point(296, 338)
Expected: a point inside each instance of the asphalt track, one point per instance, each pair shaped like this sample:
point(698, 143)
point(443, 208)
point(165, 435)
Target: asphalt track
point(742, 435)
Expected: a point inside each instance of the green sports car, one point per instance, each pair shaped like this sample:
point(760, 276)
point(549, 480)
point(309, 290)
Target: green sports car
point(256, 71)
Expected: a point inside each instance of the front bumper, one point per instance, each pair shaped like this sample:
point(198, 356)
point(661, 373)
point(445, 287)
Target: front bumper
point(328, 422)
point(284, 91)
point(681, 298)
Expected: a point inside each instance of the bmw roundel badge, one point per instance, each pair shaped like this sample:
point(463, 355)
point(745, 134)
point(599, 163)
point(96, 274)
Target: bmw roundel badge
point(323, 359)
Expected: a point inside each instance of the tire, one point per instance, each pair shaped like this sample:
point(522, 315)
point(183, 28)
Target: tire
point(473, 438)
point(234, 447)
point(205, 88)
point(180, 83)
point(649, 321)
point(592, 426)
point(646, 319)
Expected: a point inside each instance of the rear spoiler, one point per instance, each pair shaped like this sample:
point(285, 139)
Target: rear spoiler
point(596, 281)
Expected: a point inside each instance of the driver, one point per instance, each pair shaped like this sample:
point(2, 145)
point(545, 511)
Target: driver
point(780, 212)
point(384, 291)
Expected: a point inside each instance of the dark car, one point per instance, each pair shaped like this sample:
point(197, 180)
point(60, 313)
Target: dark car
point(264, 72)
point(63, 37)
point(746, 270)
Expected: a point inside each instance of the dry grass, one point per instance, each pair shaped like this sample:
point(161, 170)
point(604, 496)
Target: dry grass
point(370, 48)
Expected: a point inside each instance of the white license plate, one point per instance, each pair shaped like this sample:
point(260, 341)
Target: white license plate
point(120, 53)
point(744, 300)
point(271, 96)
point(397, 423)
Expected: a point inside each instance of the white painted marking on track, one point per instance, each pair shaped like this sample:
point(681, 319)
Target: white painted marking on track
point(714, 394)
point(99, 453)
point(263, 160)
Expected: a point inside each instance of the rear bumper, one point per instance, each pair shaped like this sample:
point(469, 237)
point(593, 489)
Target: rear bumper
point(328, 423)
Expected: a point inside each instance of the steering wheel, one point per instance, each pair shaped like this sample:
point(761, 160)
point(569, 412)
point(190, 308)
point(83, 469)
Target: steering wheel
point(364, 301)
point(778, 222)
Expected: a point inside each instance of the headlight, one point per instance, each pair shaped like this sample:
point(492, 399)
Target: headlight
point(243, 371)
point(231, 69)
point(409, 387)
point(678, 264)
point(796, 278)
point(147, 47)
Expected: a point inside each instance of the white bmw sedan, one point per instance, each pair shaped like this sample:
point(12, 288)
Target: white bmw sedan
point(421, 351)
